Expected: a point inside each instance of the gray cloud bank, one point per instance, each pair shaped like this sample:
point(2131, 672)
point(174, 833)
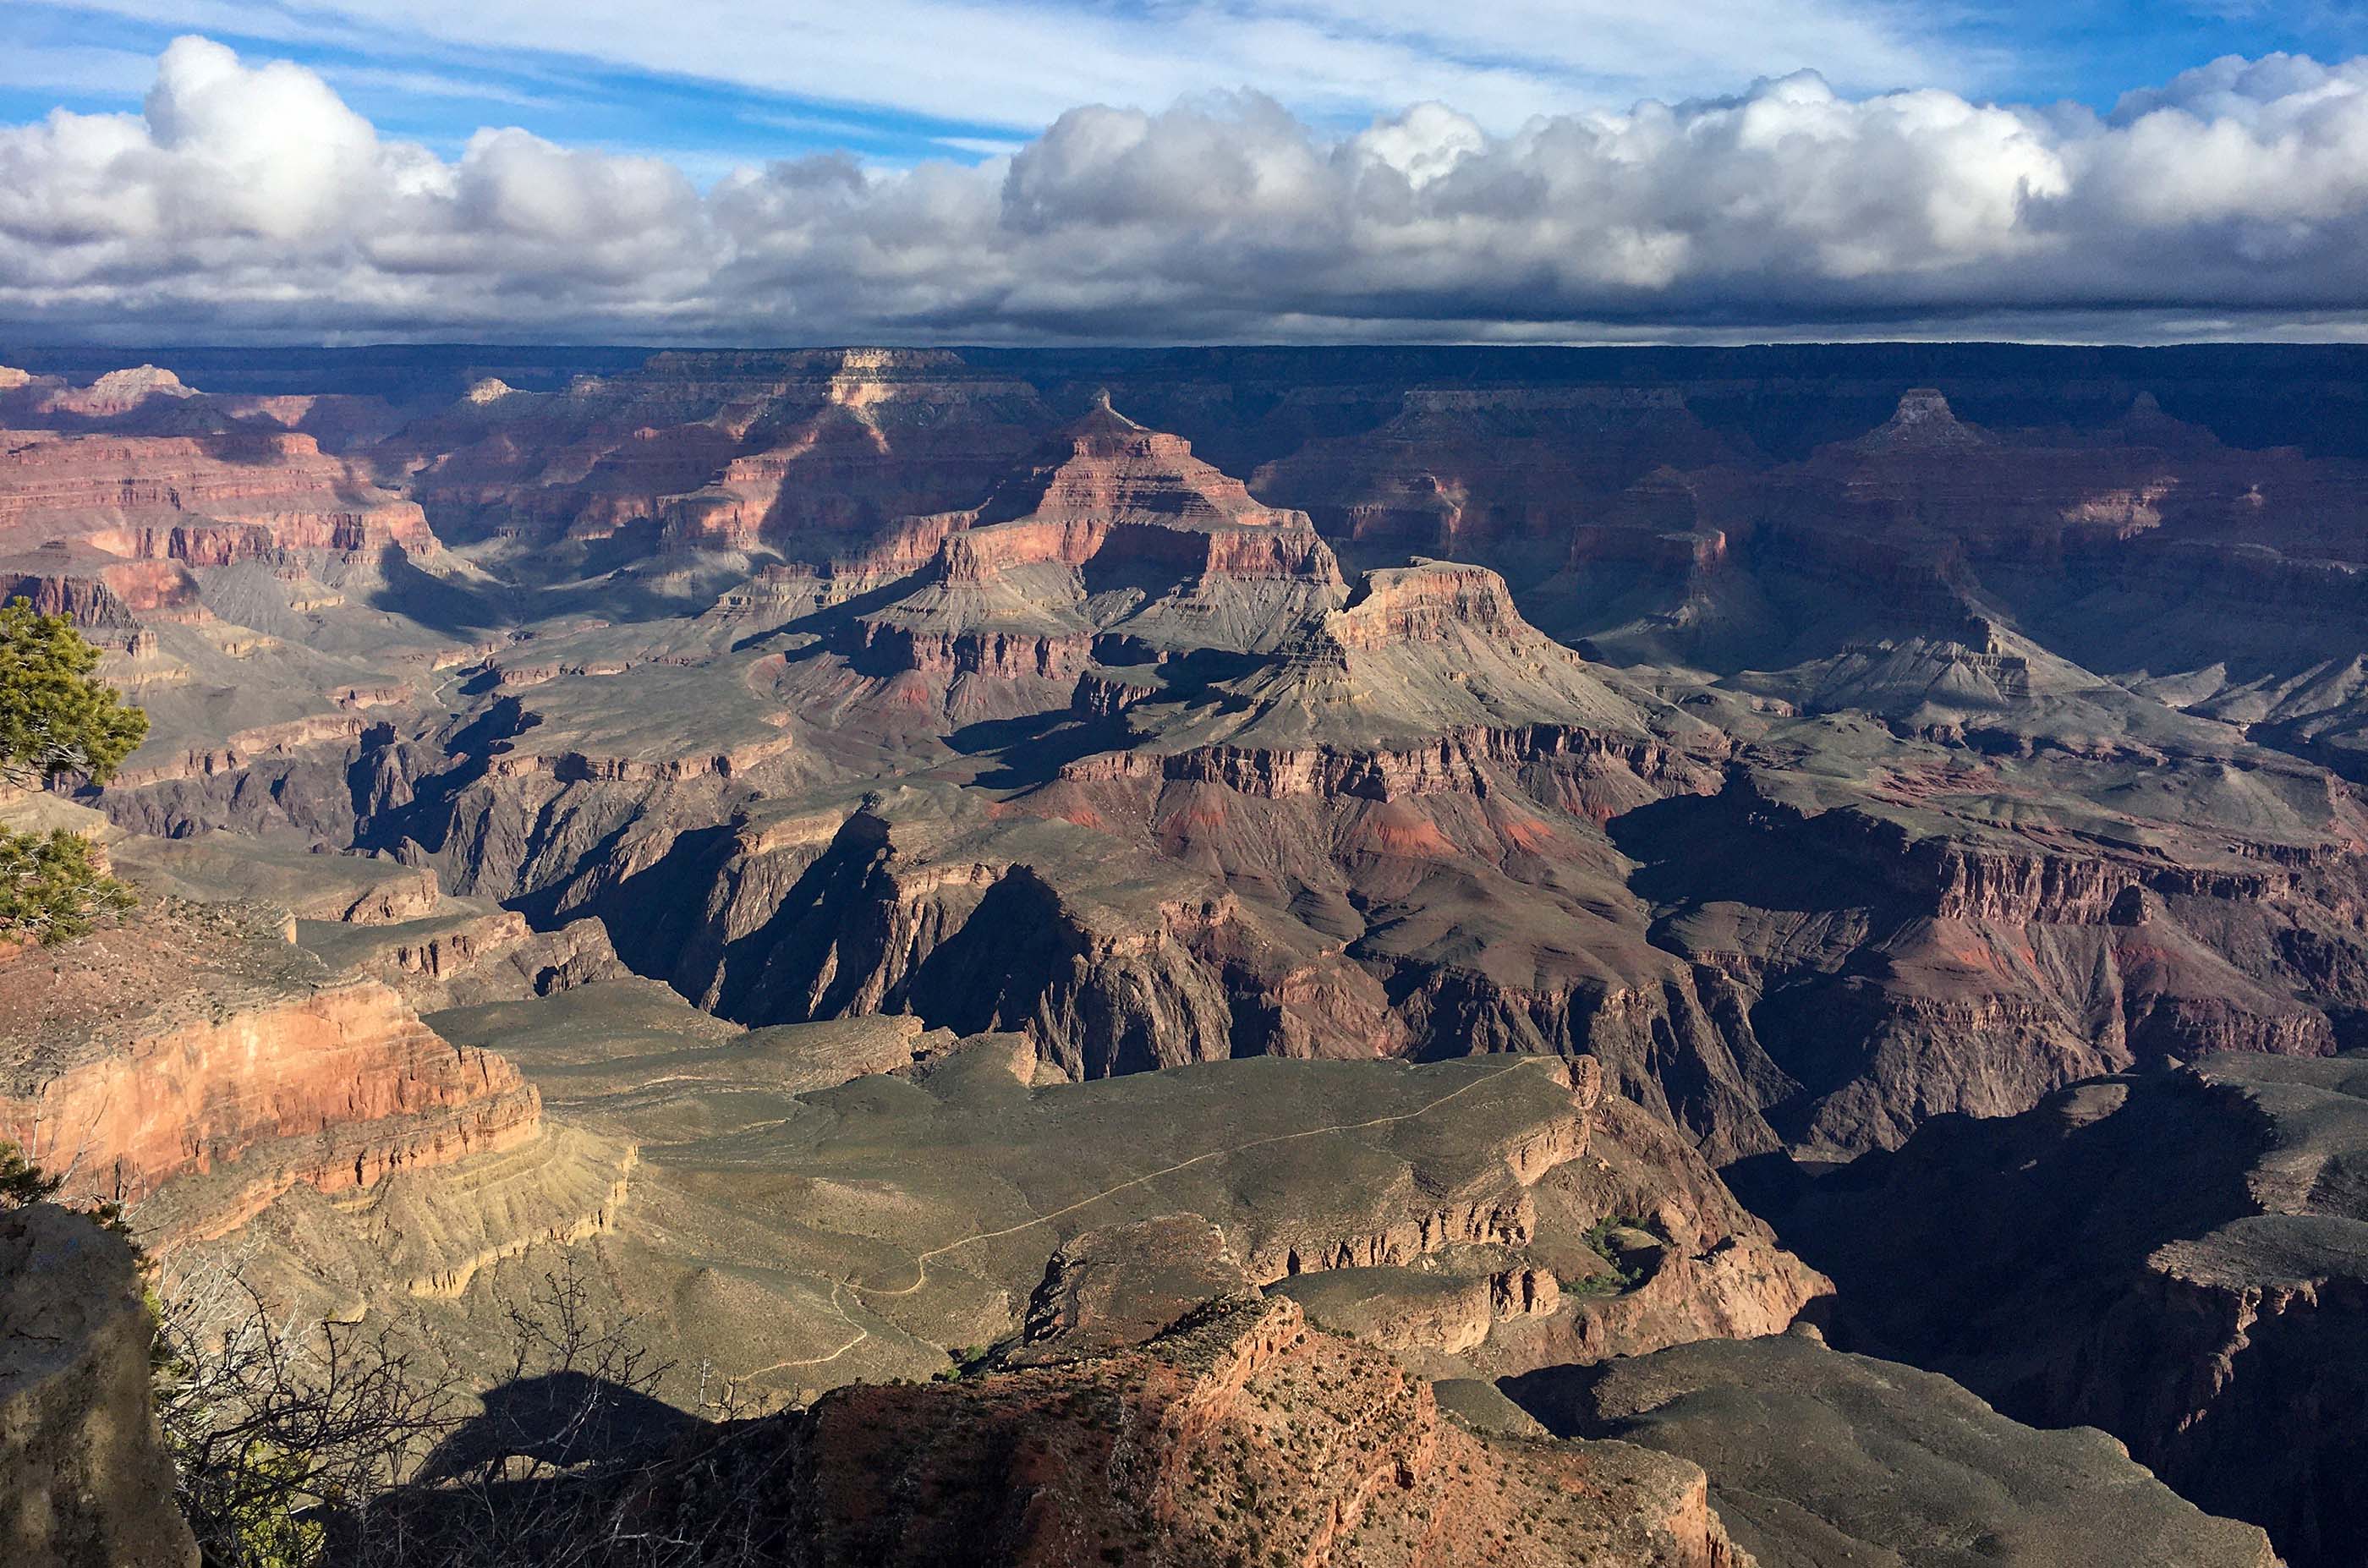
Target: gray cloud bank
point(249, 202)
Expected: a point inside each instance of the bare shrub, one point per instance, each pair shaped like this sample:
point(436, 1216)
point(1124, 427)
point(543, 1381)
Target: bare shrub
point(298, 1446)
point(277, 1429)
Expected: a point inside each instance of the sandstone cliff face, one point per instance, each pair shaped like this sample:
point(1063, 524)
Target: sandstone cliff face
point(1590, 765)
point(336, 1091)
point(84, 1479)
point(203, 501)
point(195, 1072)
point(100, 590)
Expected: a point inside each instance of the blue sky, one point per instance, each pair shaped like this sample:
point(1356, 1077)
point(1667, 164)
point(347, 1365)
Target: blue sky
point(713, 83)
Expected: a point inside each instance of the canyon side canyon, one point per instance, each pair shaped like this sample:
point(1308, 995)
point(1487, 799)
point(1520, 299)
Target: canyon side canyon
point(1332, 956)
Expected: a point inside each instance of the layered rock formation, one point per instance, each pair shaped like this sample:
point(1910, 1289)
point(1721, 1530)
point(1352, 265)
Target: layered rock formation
point(873, 1196)
point(149, 400)
point(1462, 470)
point(729, 450)
point(191, 1063)
point(198, 500)
point(1388, 792)
point(1114, 533)
point(1817, 743)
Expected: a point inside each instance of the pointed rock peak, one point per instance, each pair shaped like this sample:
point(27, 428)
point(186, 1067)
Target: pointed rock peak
point(493, 389)
point(1103, 431)
point(2148, 422)
point(1101, 417)
point(12, 378)
point(1924, 421)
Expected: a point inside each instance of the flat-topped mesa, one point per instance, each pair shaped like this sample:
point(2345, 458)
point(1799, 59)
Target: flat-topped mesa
point(1251, 552)
point(119, 391)
point(1432, 650)
point(39, 403)
point(1428, 682)
point(731, 376)
point(1428, 602)
point(1924, 422)
point(975, 555)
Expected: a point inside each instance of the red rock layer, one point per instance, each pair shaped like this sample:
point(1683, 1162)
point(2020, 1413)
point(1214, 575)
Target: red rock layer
point(1455, 763)
point(335, 1088)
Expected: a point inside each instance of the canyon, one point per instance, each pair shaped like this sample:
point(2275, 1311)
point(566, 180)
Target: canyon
point(1521, 857)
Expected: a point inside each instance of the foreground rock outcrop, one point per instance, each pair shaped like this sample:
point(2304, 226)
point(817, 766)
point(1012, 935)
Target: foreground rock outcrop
point(84, 1479)
point(1231, 1433)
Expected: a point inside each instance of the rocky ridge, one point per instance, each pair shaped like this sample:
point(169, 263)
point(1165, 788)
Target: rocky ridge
point(1330, 1453)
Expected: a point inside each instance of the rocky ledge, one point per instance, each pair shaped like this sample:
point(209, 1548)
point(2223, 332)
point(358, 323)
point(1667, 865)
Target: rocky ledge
point(1817, 1457)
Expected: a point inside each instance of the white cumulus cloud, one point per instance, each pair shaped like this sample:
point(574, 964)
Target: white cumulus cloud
point(247, 200)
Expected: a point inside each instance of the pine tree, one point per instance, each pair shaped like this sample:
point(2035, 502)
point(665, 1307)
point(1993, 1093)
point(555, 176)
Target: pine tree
point(51, 889)
point(55, 718)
